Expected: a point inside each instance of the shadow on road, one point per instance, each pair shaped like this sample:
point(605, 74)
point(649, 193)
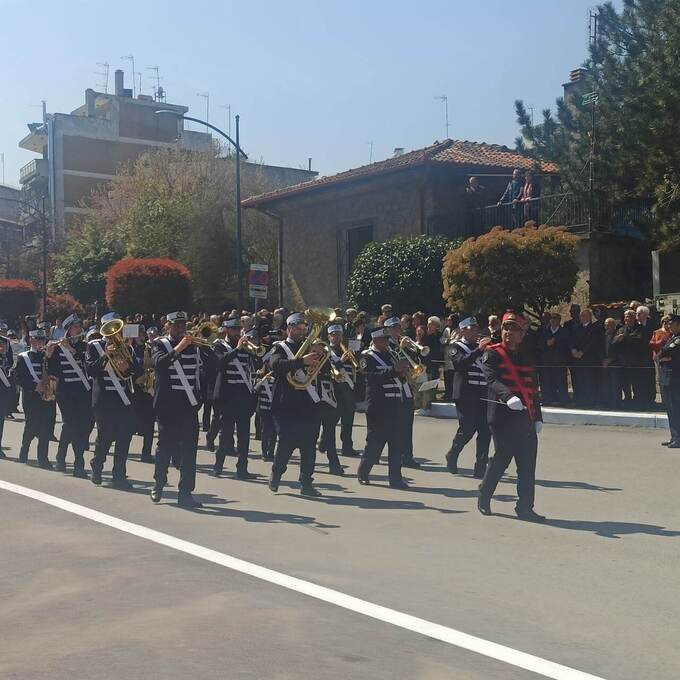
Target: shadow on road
point(557, 484)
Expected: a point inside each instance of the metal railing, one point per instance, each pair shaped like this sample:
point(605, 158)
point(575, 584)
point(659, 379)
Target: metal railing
point(35, 168)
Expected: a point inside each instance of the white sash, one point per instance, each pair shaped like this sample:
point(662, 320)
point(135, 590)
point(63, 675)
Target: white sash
point(404, 387)
point(118, 386)
point(182, 375)
point(311, 390)
point(76, 368)
point(242, 372)
point(29, 366)
point(267, 388)
point(347, 375)
point(3, 378)
point(477, 363)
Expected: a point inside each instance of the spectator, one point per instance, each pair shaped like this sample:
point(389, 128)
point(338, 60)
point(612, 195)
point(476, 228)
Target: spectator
point(511, 196)
point(474, 188)
point(494, 328)
point(386, 310)
point(448, 337)
point(647, 377)
point(660, 336)
point(419, 319)
point(351, 316)
point(530, 196)
point(609, 384)
point(433, 341)
point(407, 327)
point(585, 352)
point(553, 346)
point(631, 347)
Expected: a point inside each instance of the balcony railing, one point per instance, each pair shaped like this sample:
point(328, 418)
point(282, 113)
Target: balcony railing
point(35, 168)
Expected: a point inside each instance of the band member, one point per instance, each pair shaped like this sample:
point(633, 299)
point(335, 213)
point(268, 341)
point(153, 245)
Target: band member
point(233, 397)
point(38, 398)
point(6, 384)
point(177, 361)
point(66, 361)
point(393, 326)
point(328, 410)
point(142, 397)
point(294, 410)
point(469, 391)
point(344, 389)
point(668, 359)
point(514, 415)
point(113, 374)
point(214, 423)
point(386, 390)
point(264, 390)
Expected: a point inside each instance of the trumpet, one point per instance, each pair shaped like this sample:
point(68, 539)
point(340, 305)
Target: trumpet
point(256, 350)
point(112, 332)
point(204, 334)
point(417, 368)
point(348, 355)
point(413, 346)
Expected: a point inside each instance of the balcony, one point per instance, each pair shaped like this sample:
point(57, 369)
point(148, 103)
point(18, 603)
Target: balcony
point(33, 169)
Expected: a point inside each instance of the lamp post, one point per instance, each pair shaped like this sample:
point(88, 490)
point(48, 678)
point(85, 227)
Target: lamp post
point(239, 153)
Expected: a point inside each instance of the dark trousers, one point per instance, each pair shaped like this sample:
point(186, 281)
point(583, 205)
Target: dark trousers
point(233, 416)
point(145, 419)
point(584, 379)
point(381, 429)
point(6, 397)
point(631, 387)
point(407, 416)
point(76, 413)
point(346, 406)
point(448, 384)
point(268, 438)
point(296, 431)
point(329, 417)
point(207, 410)
point(646, 386)
point(670, 395)
point(214, 428)
point(554, 385)
point(516, 440)
point(115, 426)
point(177, 440)
point(472, 419)
point(39, 418)
point(609, 386)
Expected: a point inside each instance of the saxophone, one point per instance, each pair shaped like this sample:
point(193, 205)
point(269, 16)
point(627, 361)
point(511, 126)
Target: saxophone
point(47, 381)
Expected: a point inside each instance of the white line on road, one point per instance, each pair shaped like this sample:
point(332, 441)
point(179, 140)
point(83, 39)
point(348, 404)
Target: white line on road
point(451, 636)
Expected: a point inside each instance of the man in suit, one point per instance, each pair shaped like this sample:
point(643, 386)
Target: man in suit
point(585, 352)
point(552, 345)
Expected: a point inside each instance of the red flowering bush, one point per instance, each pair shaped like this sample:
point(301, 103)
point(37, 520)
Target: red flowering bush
point(18, 297)
point(148, 286)
point(60, 306)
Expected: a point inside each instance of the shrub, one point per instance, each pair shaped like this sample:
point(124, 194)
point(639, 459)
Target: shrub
point(18, 298)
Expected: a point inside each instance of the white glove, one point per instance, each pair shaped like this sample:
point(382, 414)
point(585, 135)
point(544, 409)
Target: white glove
point(515, 404)
point(539, 426)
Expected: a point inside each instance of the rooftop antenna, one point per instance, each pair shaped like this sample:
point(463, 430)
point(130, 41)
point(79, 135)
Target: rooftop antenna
point(2, 162)
point(206, 96)
point(139, 75)
point(531, 108)
point(370, 153)
point(157, 78)
point(131, 59)
point(43, 106)
point(227, 107)
point(104, 75)
point(443, 98)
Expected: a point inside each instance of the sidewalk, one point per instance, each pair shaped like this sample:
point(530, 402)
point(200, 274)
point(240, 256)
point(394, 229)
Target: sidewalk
point(574, 416)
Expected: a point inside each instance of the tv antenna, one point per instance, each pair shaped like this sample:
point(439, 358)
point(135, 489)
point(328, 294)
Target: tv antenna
point(445, 100)
point(131, 59)
point(227, 108)
point(104, 75)
point(206, 96)
point(157, 89)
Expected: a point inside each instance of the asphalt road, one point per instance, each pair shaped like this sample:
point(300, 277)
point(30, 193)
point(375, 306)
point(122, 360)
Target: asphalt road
point(595, 588)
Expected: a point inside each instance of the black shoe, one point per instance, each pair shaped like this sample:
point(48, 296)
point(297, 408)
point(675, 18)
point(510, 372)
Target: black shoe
point(336, 470)
point(10, 416)
point(45, 465)
point(156, 495)
point(54, 439)
point(674, 445)
point(80, 473)
point(147, 458)
point(322, 449)
point(529, 515)
point(479, 472)
point(668, 443)
point(452, 463)
point(23, 458)
point(188, 501)
point(274, 482)
point(245, 475)
point(60, 466)
point(210, 443)
point(364, 480)
point(217, 471)
point(122, 485)
point(399, 484)
point(96, 478)
point(484, 506)
point(411, 463)
point(310, 491)
point(2, 454)
point(266, 456)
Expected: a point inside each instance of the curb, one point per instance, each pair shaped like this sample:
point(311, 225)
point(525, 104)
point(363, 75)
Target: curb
point(572, 416)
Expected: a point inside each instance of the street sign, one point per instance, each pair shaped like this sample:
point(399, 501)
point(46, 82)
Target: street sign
point(258, 292)
point(258, 281)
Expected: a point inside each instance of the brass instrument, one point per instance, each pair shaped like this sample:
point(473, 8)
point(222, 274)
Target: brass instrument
point(147, 380)
point(318, 317)
point(414, 346)
point(400, 354)
point(348, 355)
point(47, 381)
point(112, 332)
point(204, 334)
point(256, 350)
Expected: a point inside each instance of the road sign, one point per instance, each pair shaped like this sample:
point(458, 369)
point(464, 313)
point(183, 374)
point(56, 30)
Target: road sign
point(258, 275)
point(258, 292)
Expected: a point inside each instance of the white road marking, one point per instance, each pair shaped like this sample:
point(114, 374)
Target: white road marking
point(451, 636)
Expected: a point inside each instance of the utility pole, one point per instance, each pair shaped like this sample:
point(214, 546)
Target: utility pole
point(206, 96)
point(444, 98)
point(370, 152)
point(238, 216)
point(2, 162)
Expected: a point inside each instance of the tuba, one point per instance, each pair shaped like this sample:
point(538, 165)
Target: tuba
point(112, 332)
point(204, 334)
point(318, 317)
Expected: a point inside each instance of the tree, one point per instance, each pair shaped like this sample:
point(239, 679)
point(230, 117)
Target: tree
point(402, 271)
point(531, 268)
point(18, 298)
point(149, 286)
point(81, 269)
point(632, 66)
point(60, 306)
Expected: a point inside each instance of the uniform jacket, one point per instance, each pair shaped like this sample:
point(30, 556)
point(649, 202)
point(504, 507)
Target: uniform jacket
point(23, 376)
point(668, 358)
point(286, 399)
point(234, 375)
point(386, 391)
point(104, 390)
point(6, 363)
point(469, 380)
point(68, 380)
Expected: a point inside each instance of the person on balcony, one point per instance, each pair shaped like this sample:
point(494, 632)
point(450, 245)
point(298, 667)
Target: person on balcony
point(511, 196)
point(529, 198)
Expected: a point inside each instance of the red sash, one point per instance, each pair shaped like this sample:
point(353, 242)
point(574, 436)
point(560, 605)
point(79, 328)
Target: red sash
point(520, 379)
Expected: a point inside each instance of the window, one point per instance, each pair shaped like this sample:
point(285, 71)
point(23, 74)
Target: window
point(351, 241)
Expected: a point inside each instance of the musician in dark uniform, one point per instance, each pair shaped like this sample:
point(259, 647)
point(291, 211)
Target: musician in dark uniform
point(6, 383)
point(668, 359)
point(344, 390)
point(386, 390)
point(233, 397)
point(469, 391)
point(295, 410)
point(38, 413)
point(264, 390)
point(328, 410)
point(397, 342)
point(67, 363)
point(112, 401)
point(177, 361)
point(514, 414)
point(142, 398)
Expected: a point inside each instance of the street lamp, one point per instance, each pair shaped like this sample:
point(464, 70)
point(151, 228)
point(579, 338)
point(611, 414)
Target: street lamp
point(239, 153)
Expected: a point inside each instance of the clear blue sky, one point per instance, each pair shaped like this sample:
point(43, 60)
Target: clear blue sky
point(309, 78)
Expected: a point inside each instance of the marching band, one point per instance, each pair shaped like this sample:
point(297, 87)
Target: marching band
point(299, 388)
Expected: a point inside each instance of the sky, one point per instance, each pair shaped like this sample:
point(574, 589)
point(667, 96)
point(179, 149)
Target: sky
point(309, 79)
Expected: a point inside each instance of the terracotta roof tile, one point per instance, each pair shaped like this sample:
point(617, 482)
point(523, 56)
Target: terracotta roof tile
point(453, 152)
